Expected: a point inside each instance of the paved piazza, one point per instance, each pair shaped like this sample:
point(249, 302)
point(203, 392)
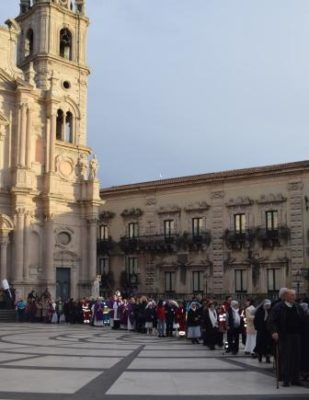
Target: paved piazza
point(51, 362)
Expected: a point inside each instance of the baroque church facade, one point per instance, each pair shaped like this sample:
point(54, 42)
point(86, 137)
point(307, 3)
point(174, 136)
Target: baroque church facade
point(49, 191)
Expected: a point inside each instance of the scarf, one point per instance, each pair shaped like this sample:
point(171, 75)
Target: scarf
point(236, 317)
point(213, 317)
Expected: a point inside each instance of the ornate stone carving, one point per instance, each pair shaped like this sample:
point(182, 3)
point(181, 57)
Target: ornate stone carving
point(150, 201)
point(240, 201)
point(172, 209)
point(107, 215)
point(271, 198)
point(295, 186)
point(64, 166)
point(132, 212)
point(198, 206)
point(6, 224)
point(217, 195)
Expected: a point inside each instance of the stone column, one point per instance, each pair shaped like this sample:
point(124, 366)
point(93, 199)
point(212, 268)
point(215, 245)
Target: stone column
point(29, 137)
point(47, 145)
point(27, 248)
point(92, 246)
point(17, 155)
point(23, 129)
point(52, 141)
point(83, 275)
point(48, 262)
point(19, 245)
point(4, 241)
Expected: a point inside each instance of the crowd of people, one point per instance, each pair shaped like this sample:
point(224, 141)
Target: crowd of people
point(267, 329)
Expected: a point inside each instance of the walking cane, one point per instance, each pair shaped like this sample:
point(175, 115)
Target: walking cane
point(277, 363)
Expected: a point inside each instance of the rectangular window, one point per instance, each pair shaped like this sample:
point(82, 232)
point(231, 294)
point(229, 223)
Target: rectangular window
point(271, 220)
point(133, 230)
point(103, 266)
point(239, 223)
point(197, 277)
point(132, 269)
point(169, 281)
point(169, 227)
point(240, 280)
point(103, 232)
point(273, 279)
point(197, 226)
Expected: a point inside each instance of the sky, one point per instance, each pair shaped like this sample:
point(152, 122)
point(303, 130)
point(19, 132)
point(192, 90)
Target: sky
point(182, 87)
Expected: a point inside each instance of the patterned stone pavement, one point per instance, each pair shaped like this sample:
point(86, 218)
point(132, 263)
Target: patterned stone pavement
point(61, 362)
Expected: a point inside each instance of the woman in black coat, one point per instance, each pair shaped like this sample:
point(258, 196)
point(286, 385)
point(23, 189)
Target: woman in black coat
point(194, 323)
point(263, 336)
point(210, 323)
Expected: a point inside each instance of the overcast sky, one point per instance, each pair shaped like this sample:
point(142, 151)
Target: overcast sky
point(181, 87)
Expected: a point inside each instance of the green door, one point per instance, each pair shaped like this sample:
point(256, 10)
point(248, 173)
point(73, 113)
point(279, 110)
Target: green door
point(63, 279)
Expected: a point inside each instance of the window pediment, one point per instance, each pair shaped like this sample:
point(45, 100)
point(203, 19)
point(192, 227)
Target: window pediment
point(240, 201)
point(271, 198)
point(198, 206)
point(172, 209)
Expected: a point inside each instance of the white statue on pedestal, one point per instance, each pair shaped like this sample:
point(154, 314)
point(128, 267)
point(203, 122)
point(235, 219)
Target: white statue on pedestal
point(95, 290)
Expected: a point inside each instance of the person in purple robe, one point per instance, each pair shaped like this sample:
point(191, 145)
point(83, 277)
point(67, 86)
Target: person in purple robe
point(98, 313)
point(131, 314)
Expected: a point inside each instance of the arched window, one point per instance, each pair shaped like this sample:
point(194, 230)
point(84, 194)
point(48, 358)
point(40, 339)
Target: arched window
point(66, 44)
point(59, 128)
point(68, 132)
point(29, 43)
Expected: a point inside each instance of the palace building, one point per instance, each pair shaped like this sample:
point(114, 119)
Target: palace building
point(240, 232)
point(49, 191)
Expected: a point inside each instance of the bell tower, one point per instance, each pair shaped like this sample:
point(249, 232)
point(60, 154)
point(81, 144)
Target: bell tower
point(52, 52)
point(54, 184)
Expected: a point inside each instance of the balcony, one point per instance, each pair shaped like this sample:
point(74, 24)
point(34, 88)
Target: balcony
point(130, 245)
point(238, 240)
point(194, 242)
point(270, 238)
point(149, 244)
point(105, 246)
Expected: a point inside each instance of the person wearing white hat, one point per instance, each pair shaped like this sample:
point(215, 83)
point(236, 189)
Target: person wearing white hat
point(234, 326)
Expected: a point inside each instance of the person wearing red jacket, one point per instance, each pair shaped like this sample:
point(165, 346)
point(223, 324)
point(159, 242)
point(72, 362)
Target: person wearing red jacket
point(180, 319)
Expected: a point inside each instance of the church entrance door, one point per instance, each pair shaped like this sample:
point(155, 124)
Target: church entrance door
point(63, 279)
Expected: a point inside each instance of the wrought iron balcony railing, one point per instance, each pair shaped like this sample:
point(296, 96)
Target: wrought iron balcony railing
point(273, 237)
point(238, 240)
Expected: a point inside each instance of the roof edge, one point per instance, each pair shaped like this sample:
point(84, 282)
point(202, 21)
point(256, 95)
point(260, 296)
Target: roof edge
point(211, 177)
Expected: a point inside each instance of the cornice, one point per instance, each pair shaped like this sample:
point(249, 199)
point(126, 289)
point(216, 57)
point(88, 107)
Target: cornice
point(68, 63)
point(270, 171)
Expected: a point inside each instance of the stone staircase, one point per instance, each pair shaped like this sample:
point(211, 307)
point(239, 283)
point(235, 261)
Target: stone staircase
point(7, 316)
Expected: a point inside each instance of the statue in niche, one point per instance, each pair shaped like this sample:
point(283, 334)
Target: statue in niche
point(83, 166)
point(93, 168)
